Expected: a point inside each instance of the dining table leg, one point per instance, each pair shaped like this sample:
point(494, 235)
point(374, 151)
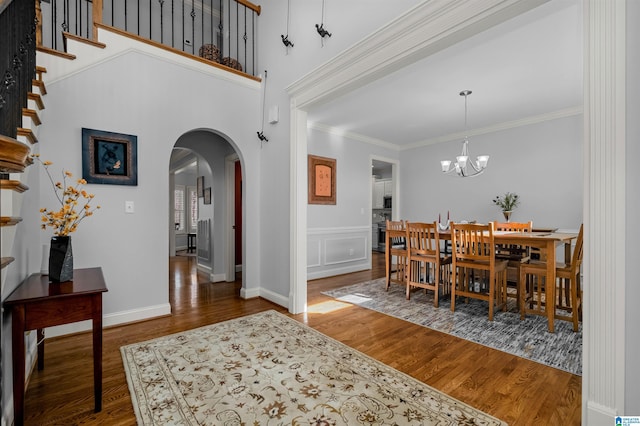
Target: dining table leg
point(550, 290)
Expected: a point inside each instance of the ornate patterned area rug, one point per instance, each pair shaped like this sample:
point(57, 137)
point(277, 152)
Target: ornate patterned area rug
point(528, 338)
point(268, 369)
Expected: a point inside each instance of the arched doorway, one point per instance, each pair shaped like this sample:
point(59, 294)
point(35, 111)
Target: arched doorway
point(203, 205)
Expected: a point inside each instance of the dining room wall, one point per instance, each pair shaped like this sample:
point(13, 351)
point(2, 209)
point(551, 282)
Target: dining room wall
point(339, 236)
point(540, 162)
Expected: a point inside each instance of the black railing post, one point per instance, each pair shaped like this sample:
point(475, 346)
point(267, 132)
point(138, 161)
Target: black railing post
point(17, 62)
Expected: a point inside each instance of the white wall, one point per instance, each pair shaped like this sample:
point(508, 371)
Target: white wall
point(339, 236)
point(348, 22)
point(144, 92)
point(547, 175)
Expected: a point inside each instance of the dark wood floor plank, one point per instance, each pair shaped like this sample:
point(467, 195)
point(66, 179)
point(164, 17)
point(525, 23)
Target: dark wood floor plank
point(516, 390)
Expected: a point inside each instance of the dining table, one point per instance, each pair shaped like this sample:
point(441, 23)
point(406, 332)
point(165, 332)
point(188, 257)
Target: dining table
point(547, 241)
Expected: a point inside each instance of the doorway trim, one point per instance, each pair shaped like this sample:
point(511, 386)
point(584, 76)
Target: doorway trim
point(229, 238)
point(395, 193)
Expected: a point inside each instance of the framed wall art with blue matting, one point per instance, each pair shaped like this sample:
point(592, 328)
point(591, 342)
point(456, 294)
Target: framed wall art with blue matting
point(109, 158)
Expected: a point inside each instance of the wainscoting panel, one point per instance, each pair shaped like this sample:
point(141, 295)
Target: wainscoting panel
point(335, 251)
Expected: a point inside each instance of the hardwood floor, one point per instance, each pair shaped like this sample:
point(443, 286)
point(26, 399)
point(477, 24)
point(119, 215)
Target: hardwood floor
point(513, 389)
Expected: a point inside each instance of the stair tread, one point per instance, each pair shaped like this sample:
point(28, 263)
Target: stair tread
point(32, 114)
point(4, 261)
point(14, 155)
point(14, 185)
point(37, 99)
point(9, 220)
point(28, 133)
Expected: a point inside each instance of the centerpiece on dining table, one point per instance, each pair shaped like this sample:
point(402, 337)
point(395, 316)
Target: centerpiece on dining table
point(75, 205)
point(507, 203)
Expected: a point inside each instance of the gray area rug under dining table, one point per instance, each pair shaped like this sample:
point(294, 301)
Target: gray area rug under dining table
point(528, 338)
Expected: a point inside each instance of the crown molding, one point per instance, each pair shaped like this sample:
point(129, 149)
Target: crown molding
point(423, 30)
point(535, 119)
point(567, 112)
point(351, 135)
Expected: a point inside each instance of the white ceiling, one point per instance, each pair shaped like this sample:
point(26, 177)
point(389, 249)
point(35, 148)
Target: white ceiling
point(527, 68)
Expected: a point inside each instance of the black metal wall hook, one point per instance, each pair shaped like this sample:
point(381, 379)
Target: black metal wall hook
point(323, 33)
point(285, 40)
point(262, 137)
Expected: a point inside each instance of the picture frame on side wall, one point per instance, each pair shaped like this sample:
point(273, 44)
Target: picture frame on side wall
point(322, 180)
point(109, 158)
point(200, 186)
point(207, 195)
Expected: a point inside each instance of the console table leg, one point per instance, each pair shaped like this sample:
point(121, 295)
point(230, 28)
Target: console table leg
point(40, 337)
point(18, 354)
point(97, 351)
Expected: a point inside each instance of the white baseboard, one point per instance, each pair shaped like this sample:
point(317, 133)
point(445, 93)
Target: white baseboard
point(204, 269)
point(338, 271)
point(266, 294)
point(116, 318)
point(249, 294)
point(274, 297)
point(598, 414)
point(216, 278)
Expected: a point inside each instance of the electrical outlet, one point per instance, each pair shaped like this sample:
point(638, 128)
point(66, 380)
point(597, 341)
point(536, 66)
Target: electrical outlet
point(129, 207)
point(350, 252)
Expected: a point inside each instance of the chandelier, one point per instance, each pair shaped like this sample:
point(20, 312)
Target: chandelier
point(463, 166)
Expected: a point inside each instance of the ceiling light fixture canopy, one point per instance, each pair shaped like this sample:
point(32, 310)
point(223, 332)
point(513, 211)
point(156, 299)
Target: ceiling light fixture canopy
point(462, 166)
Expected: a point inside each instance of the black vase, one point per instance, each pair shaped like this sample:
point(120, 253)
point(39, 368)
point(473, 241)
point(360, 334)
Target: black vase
point(60, 259)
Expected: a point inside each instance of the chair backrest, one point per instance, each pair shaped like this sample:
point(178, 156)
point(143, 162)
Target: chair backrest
point(576, 257)
point(513, 227)
point(423, 239)
point(473, 242)
point(396, 232)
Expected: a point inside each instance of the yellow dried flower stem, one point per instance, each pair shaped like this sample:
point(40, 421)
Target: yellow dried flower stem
point(66, 219)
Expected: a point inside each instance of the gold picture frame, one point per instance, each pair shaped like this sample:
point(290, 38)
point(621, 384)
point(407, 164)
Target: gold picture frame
point(322, 180)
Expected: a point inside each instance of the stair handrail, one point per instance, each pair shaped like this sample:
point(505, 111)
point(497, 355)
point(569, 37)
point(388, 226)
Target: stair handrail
point(222, 31)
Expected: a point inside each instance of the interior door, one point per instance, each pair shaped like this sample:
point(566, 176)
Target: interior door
point(238, 213)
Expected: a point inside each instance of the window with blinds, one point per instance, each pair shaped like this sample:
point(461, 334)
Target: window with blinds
point(193, 210)
point(178, 208)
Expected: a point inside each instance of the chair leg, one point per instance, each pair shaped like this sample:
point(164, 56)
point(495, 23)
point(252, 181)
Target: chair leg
point(492, 289)
point(574, 303)
point(522, 285)
point(454, 283)
point(436, 282)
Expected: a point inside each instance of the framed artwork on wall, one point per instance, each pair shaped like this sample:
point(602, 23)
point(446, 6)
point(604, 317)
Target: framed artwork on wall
point(109, 158)
point(322, 180)
point(200, 186)
point(207, 195)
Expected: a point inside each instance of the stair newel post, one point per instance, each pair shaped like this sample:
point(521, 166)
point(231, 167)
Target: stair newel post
point(97, 17)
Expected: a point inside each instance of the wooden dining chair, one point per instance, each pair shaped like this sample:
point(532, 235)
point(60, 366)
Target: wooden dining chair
point(568, 301)
point(514, 254)
point(427, 268)
point(476, 271)
point(395, 249)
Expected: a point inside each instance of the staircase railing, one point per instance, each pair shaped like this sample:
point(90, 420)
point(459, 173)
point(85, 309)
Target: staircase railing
point(17, 62)
point(223, 31)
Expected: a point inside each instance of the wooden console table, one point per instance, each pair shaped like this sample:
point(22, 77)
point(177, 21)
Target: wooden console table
point(36, 304)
